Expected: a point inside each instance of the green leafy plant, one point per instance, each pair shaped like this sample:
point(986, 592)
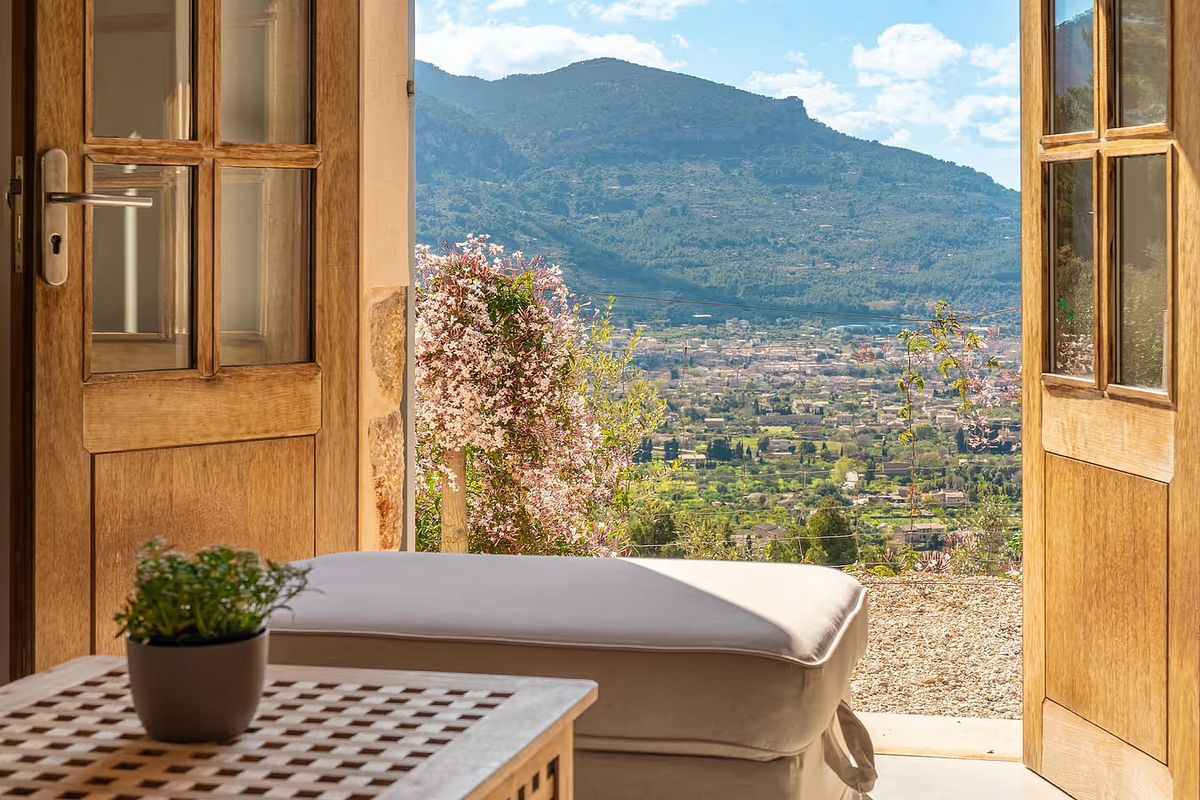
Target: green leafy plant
point(959, 353)
point(218, 593)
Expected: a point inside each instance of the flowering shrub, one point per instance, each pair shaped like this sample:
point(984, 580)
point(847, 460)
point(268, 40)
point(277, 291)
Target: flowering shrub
point(505, 373)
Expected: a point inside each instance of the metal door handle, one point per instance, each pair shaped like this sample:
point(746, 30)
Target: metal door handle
point(54, 201)
point(106, 200)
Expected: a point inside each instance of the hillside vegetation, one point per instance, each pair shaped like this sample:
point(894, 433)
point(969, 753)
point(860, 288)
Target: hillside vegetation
point(643, 180)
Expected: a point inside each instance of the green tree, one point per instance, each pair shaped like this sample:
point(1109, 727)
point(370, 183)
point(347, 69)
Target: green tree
point(987, 549)
point(843, 465)
point(784, 551)
point(709, 538)
point(719, 450)
point(829, 528)
point(652, 529)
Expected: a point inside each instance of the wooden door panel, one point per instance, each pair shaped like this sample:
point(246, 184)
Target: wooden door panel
point(1106, 600)
point(1129, 437)
point(256, 495)
point(1092, 764)
point(155, 410)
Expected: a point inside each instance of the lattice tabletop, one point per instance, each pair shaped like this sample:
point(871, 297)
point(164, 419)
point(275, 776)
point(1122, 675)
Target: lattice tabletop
point(324, 733)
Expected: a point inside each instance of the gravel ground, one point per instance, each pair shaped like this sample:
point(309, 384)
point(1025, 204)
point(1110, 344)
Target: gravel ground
point(942, 645)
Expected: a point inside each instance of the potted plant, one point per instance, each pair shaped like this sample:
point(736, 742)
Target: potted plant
point(196, 635)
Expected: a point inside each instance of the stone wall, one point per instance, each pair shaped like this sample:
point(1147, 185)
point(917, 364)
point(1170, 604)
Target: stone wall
point(383, 412)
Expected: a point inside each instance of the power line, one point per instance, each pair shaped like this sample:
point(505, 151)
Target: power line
point(768, 512)
point(899, 579)
point(808, 311)
point(683, 546)
point(715, 473)
point(998, 581)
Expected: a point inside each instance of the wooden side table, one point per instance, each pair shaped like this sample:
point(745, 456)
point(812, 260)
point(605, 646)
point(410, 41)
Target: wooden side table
point(323, 733)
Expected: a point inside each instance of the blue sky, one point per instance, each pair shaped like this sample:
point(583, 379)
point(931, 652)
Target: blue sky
point(938, 76)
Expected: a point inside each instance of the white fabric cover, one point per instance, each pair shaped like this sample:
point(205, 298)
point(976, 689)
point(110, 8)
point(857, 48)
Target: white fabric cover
point(741, 660)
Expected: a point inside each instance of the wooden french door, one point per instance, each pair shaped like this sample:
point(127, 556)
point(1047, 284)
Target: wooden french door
point(1111, 138)
point(194, 227)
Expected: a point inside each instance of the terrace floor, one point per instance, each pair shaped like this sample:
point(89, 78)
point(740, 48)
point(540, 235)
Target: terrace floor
point(947, 758)
point(924, 778)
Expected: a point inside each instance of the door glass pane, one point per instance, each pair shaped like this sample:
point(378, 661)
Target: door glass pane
point(266, 64)
point(266, 266)
point(1073, 268)
point(1142, 284)
point(1142, 54)
point(1073, 67)
point(142, 69)
point(142, 270)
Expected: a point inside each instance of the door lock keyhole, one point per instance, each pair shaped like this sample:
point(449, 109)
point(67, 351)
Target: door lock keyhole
point(56, 244)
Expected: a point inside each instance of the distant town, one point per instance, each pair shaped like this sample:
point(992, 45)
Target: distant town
point(765, 423)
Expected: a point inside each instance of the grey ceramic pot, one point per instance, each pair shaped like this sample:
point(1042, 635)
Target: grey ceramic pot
point(197, 692)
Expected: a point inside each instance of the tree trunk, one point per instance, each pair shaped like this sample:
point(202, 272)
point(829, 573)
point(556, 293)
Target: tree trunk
point(454, 503)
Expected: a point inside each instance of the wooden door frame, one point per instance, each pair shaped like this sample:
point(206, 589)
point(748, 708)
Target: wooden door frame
point(19, 521)
point(1183, 654)
point(1183, 474)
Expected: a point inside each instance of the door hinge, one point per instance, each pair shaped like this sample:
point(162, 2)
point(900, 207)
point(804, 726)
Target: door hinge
point(16, 205)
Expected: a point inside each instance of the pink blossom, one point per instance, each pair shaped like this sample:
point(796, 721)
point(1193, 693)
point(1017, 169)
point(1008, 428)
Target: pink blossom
point(497, 339)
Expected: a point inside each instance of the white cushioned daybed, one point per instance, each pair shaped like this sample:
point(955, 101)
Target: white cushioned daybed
point(717, 679)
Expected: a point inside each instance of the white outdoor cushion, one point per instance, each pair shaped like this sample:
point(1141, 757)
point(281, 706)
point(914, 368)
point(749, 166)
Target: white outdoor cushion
point(742, 660)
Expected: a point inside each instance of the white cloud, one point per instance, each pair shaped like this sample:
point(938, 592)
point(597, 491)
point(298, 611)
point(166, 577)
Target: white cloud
point(856, 122)
point(506, 5)
point(871, 80)
point(796, 57)
point(911, 101)
point(994, 118)
point(904, 78)
point(1004, 131)
point(894, 104)
point(821, 96)
point(907, 51)
point(905, 95)
point(1004, 64)
point(622, 10)
point(493, 51)
point(681, 42)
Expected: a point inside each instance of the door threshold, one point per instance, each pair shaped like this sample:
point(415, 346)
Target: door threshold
point(944, 737)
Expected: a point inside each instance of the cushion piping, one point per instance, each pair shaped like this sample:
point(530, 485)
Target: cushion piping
point(707, 748)
point(830, 647)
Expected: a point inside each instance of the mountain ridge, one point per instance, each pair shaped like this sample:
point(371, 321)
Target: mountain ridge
point(635, 178)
